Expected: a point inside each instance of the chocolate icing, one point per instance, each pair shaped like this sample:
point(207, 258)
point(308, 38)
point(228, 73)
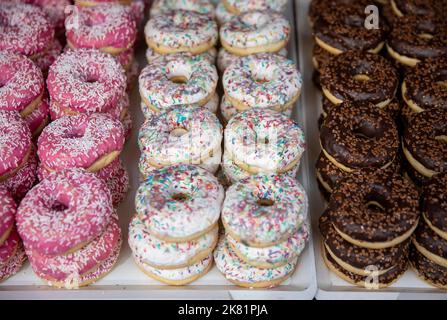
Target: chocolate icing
point(430, 240)
point(427, 269)
point(434, 203)
point(321, 55)
point(420, 7)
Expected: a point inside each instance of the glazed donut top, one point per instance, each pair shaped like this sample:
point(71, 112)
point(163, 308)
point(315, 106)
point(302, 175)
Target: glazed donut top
point(354, 211)
point(64, 211)
point(8, 210)
point(359, 135)
point(340, 76)
point(181, 29)
point(255, 29)
point(418, 37)
point(262, 81)
point(179, 201)
point(180, 135)
point(79, 141)
point(240, 6)
point(200, 6)
point(264, 209)
point(425, 138)
point(21, 81)
point(434, 201)
point(15, 141)
point(426, 85)
point(24, 29)
point(86, 80)
point(342, 26)
point(108, 25)
point(161, 92)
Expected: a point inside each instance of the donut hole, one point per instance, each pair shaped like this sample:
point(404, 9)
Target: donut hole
point(261, 76)
point(264, 202)
point(58, 206)
point(374, 206)
point(92, 79)
point(178, 79)
point(178, 132)
point(74, 134)
point(180, 197)
point(364, 131)
point(255, 20)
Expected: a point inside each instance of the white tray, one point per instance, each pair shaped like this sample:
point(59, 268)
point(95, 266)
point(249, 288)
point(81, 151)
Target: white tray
point(126, 281)
point(329, 285)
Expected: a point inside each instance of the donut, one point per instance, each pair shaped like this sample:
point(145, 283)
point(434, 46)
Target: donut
point(15, 143)
point(85, 141)
point(242, 274)
point(414, 39)
point(126, 59)
point(426, 86)
point(179, 203)
point(320, 57)
point(8, 210)
point(10, 246)
point(110, 28)
point(430, 244)
point(434, 204)
point(85, 81)
point(423, 142)
point(359, 76)
point(428, 270)
point(160, 254)
point(160, 7)
point(55, 10)
point(222, 14)
point(225, 58)
point(181, 31)
point(240, 6)
point(341, 27)
point(274, 256)
point(177, 277)
point(264, 141)
point(209, 55)
point(417, 8)
point(80, 262)
point(359, 135)
point(255, 32)
point(176, 80)
point(25, 29)
point(181, 135)
point(317, 7)
point(375, 210)
point(117, 179)
point(356, 259)
point(264, 210)
point(39, 118)
point(14, 264)
point(22, 83)
point(47, 59)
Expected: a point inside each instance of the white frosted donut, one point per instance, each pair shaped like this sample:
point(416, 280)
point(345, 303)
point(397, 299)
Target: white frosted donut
point(181, 31)
point(255, 32)
point(273, 256)
point(180, 135)
point(209, 55)
point(179, 276)
point(179, 203)
point(264, 210)
point(262, 81)
point(239, 6)
point(262, 140)
point(222, 14)
point(177, 80)
point(168, 255)
point(225, 58)
point(243, 274)
point(200, 6)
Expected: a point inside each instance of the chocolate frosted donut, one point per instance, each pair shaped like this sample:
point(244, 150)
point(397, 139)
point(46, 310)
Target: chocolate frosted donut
point(434, 204)
point(426, 86)
point(427, 270)
point(359, 76)
point(316, 7)
point(416, 7)
point(320, 57)
point(425, 142)
point(359, 135)
point(358, 258)
point(430, 244)
point(374, 210)
point(416, 38)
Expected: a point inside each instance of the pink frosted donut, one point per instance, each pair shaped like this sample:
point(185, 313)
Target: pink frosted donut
point(84, 141)
point(55, 10)
point(64, 212)
point(137, 10)
point(9, 248)
point(8, 210)
point(119, 112)
point(15, 143)
point(14, 264)
point(126, 58)
point(85, 81)
point(21, 83)
point(110, 28)
point(79, 262)
point(117, 179)
point(21, 182)
point(39, 118)
point(47, 59)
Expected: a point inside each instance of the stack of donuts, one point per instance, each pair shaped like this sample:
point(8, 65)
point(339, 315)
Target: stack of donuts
point(175, 230)
point(69, 229)
point(265, 220)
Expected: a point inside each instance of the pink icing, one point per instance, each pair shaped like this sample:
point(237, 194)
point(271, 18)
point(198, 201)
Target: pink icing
point(21, 81)
point(15, 141)
point(9, 247)
point(79, 141)
point(67, 209)
point(14, 264)
point(81, 261)
point(137, 10)
point(55, 9)
point(125, 58)
point(39, 116)
point(8, 210)
point(108, 25)
point(117, 179)
point(86, 80)
point(47, 59)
